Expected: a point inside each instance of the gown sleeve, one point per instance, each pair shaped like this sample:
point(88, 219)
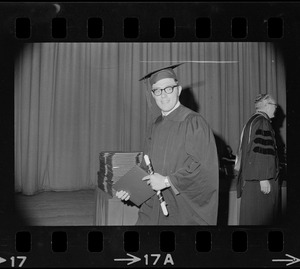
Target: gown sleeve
point(197, 180)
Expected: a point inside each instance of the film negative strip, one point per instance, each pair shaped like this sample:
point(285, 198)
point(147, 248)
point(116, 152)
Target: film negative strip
point(73, 95)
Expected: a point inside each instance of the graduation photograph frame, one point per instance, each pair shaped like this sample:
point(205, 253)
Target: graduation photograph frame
point(58, 122)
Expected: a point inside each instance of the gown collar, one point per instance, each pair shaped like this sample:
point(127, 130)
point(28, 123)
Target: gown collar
point(263, 114)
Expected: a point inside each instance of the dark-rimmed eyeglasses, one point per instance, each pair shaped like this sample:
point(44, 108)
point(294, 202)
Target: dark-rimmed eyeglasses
point(168, 90)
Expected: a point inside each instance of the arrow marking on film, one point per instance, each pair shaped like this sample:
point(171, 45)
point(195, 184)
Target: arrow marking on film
point(131, 260)
point(2, 260)
point(291, 261)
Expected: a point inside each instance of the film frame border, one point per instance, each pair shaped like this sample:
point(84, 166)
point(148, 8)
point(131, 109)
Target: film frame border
point(184, 31)
point(235, 22)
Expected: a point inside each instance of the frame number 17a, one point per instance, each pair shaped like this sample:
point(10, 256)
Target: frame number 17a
point(150, 259)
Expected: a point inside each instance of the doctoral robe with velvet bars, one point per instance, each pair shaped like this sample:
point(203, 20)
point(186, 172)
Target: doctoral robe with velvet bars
point(181, 146)
point(259, 162)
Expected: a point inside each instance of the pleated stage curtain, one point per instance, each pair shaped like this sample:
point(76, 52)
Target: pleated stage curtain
point(75, 100)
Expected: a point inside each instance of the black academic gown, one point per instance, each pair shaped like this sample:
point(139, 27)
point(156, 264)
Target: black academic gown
point(182, 147)
point(259, 161)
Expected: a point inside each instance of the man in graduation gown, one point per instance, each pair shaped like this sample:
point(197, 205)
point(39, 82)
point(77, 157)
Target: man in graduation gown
point(182, 149)
point(258, 184)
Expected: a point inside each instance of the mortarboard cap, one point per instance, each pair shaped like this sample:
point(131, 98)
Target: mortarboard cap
point(166, 72)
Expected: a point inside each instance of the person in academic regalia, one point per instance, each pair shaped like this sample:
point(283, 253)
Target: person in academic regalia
point(257, 166)
point(183, 152)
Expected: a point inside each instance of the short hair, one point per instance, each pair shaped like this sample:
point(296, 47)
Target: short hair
point(261, 100)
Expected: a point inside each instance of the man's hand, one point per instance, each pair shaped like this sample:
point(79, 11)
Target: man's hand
point(265, 186)
point(156, 181)
point(123, 195)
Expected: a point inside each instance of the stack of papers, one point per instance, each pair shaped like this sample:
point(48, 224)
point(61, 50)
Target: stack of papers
point(114, 165)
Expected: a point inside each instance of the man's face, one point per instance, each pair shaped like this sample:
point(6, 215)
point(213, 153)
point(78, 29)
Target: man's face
point(166, 101)
point(271, 108)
